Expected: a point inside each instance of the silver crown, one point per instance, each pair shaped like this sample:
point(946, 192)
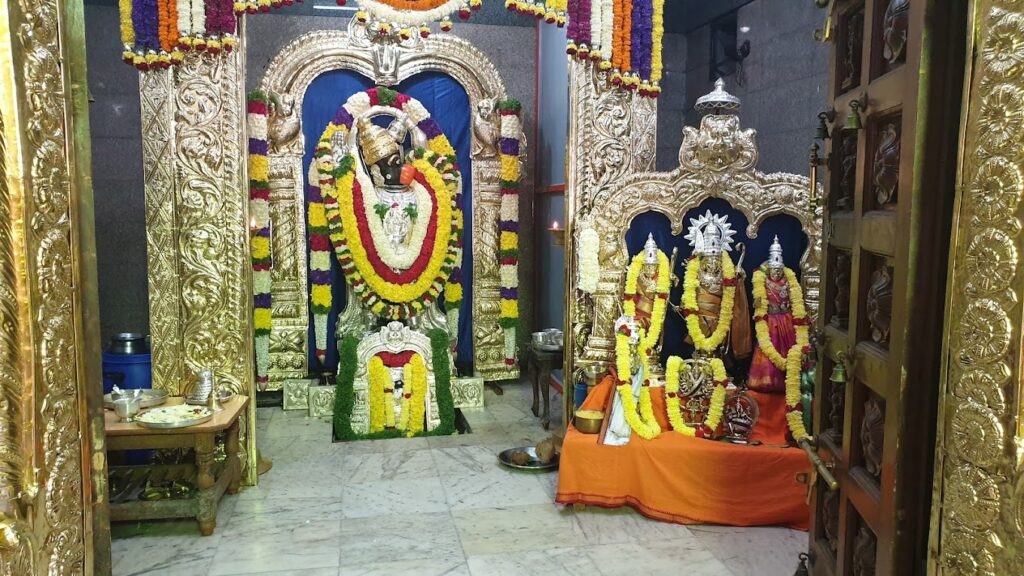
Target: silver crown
point(710, 234)
point(775, 255)
point(650, 250)
point(717, 101)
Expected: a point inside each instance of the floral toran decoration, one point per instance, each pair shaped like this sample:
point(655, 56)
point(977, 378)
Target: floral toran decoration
point(792, 363)
point(341, 216)
point(156, 33)
point(630, 298)
point(259, 209)
point(621, 37)
point(715, 409)
point(691, 283)
point(642, 420)
point(382, 388)
point(508, 249)
point(410, 18)
point(589, 269)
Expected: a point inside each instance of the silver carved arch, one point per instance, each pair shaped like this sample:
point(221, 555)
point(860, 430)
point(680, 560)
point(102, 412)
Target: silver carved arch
point(287, 79)
point(718, 160)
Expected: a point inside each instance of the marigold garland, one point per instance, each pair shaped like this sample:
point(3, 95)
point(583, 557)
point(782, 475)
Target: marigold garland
point(644, 423)
point(715, 409)
point(508, 250)
point(630, 298)
point(413, 402)
point(690, 285)
point(792, 364)
point(333, 224)
point(259, 208)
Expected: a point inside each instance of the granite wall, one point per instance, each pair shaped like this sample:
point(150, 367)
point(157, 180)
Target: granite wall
point(117, 177)
point(784, 81)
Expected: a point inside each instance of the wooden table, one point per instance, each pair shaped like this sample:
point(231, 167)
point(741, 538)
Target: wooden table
point(211, 479)
point(541, 363)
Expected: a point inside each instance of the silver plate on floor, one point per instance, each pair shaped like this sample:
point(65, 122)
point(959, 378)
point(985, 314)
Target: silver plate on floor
point(533, 464)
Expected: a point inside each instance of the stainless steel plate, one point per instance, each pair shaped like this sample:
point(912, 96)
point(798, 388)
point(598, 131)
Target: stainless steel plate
point(225, 395)
point(176, 424)
point(150, 398)
point(534, 464)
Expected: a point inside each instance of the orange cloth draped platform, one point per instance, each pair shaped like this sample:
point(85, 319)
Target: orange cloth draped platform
point(684, 480)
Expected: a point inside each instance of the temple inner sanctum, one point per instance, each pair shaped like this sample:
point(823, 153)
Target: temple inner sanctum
point(511, 287)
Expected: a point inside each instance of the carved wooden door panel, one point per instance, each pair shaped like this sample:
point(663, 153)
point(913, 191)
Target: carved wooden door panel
point(895, 89)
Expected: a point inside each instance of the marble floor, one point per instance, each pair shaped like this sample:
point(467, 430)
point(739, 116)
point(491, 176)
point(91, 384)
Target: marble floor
point(431, 507)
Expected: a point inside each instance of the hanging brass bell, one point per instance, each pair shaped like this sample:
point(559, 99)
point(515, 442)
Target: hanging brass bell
point(838, 373)
point(822, 132)
point(801, 569)
point(853, 119)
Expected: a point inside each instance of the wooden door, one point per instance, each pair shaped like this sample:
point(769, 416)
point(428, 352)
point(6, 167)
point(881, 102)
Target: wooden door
point(899, 65)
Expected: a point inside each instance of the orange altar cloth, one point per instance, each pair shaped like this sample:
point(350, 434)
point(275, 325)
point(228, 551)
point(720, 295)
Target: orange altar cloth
point(684, 480)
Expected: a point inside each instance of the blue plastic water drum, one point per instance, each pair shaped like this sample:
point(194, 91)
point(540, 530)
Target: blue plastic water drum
point(579, 394)
point(127, 371)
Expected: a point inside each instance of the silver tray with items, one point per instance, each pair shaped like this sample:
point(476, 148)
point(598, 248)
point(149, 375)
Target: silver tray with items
point(177, 416)
point(149, 397)
point(527, 460)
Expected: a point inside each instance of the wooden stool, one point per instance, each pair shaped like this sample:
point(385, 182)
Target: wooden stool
point(542, 362)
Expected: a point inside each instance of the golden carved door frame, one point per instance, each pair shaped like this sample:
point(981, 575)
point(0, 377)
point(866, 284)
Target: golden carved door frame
point(53, 512)
point(978, 499)
point(288, 76)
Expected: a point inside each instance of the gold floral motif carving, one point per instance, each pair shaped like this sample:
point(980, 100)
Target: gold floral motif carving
point(977, 505)
point(289, 75)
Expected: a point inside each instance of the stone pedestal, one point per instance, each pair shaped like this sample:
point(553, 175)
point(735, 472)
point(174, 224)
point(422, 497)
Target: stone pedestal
point(321, 401)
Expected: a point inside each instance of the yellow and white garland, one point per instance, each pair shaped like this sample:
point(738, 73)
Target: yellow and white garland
point(691, 283)
point(413, 407)
point(644, 423)
point(793, 362)
point(588, 259)
point(649, 338)
point(715, 409)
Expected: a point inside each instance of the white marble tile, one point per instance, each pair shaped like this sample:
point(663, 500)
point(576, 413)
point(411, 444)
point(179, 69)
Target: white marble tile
point(265, 543)
point(286, 426)
point(383, 446)
point(526, 434)
point(368, 541)
point(477, 416)
point(359, 469)
point(287, 509)
point(295, 481)
point(421, 567)
point(754, 551)
point(393, 498)
point(493, 489)
point(172, 555)
point(513, 413)
point(551, 562)
point(490, 433)
point(332, 571)
point(465, 460)
point(504, 530)
point(660, 557)
point(615, 525)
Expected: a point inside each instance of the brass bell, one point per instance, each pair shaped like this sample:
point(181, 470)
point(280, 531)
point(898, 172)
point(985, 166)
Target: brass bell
point(853, 120)
point(838, 372)
point(822, 132)
point(801, 569)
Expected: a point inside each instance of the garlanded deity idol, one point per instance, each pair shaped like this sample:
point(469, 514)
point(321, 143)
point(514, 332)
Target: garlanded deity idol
point(631, 410)
point(648, 282)
point(781, 326)
point(714, 296)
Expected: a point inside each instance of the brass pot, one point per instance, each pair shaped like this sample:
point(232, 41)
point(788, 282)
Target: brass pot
point(589, 421)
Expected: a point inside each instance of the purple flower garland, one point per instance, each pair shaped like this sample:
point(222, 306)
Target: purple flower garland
point(640, 49)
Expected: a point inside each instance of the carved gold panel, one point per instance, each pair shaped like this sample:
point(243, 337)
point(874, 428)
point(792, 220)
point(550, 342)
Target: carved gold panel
point(288, 77)
point(978, 504)
point(197, 228)
point(52, 459)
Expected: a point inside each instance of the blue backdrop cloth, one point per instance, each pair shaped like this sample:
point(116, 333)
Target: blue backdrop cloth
point(791, 237)
point(448, 103)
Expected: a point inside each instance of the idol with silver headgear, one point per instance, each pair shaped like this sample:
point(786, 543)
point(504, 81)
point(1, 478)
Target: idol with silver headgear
point(712, 279)
point(619, 431)
point(648, 283)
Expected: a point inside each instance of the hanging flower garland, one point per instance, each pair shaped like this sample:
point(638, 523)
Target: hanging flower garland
point(631, 298)
point(643, 422)
point(792, 364)
point(259, 208)
point(715, 409)
point(342, 193)
point(690, 285)
point(508, 252)
point(589, 269)
point(413, 403)
point(407, 18)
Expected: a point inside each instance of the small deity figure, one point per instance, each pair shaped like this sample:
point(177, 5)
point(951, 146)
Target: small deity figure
point(396, 203)
point(710, 278)
point(619, 431)
point(776, 335)
point(647, 284)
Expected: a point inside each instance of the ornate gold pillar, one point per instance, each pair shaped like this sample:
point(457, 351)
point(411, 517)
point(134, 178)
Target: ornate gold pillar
point(52, 461)
point(197, 214)
point(978, 513)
